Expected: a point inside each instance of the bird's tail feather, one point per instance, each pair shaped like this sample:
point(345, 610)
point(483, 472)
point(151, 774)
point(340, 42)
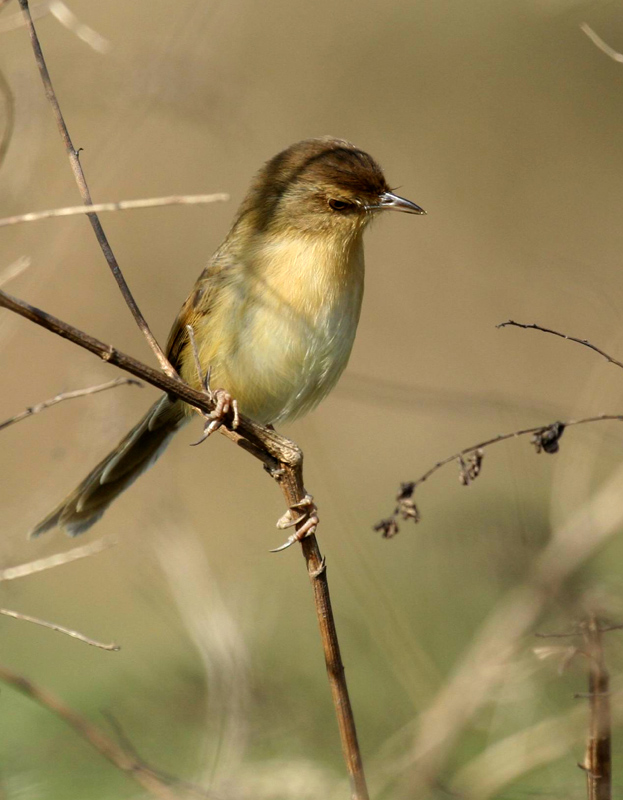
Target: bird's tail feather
point(133, 455)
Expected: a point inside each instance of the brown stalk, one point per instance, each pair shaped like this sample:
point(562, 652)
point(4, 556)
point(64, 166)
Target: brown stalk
point(598, 759)
point(74, 160)
point(284, 461)
point(123, 760)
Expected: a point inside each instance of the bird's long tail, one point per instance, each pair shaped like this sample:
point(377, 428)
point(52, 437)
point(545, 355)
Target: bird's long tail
point(133, 455)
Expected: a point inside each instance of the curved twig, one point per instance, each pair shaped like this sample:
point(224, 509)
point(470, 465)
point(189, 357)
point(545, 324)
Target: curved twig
point(585, 342)
point(59, 398)
point(53, 626)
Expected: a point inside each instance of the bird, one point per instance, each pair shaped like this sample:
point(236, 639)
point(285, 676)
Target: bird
point(272, 318)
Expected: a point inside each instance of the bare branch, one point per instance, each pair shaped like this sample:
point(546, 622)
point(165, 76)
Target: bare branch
point(59, 398)
point(56, 560)
point(121, 205)
point(599, 42)
point(584, 342)
point(544, 437)
point(60, 628)
point(74, 161)
point(135, 769)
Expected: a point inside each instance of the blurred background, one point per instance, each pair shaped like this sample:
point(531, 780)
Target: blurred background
point(503, 120)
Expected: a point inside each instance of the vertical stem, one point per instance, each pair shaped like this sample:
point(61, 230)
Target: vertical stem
point(598, 759)
point(292, 486)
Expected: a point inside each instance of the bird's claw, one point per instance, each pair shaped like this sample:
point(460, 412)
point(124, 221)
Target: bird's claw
point(304, 512)
point(216, 417)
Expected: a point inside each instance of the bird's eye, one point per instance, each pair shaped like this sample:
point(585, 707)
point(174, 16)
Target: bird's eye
point(340, 205)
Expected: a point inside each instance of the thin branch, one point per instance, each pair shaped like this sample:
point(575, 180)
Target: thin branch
point(502, 437)
point(283, 460)
point(135, 769)
point(544, 437)
point(121, 205)
point(56, 560)
point(599, 42)
point(584, 342)
point(60, 628)
point(76, 167)
point(59, 398)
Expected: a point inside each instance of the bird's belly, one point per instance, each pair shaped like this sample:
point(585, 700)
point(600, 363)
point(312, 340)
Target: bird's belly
point(285, 363)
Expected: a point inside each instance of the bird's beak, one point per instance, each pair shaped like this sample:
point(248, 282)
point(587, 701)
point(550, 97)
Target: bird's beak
point(393, 202)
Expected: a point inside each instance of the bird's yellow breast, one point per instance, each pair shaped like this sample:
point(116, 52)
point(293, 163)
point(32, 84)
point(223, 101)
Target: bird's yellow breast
point(283, 323)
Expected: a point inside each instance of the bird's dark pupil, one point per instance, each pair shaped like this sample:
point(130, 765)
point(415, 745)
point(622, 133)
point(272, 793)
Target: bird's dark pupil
point(339, 205)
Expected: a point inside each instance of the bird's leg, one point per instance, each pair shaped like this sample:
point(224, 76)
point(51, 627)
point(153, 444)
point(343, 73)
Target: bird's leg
point(304, 512)
point(224, 402)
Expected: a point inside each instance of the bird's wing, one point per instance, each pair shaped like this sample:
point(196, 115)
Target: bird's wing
point(197, 305)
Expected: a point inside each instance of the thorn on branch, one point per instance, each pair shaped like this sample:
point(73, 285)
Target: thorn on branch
point(547, 439)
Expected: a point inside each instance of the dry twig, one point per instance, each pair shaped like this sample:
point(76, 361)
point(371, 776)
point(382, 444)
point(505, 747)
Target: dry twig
point(544, 438)
point(59, 398)
point(120, 205)
point(585, 342)
point(60, 628)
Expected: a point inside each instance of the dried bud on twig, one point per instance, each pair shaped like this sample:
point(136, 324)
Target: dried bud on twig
point(547, 438)
point(406, 507)
point(470, 467)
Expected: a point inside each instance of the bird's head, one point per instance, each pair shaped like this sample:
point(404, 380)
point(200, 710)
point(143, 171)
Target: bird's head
point(320, 186)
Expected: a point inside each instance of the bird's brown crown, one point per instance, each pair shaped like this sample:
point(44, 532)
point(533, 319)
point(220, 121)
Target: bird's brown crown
point(312, 183)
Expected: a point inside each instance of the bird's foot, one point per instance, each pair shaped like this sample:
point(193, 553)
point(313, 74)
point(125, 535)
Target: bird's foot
point(213, 421)
point(304, 512)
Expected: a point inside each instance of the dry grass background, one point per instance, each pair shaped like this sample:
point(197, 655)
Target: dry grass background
point(502, 120)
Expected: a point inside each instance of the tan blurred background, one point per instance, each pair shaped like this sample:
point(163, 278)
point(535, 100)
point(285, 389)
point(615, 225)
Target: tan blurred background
point(503, 120)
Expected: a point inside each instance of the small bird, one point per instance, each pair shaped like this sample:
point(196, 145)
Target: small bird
point(271, 319)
